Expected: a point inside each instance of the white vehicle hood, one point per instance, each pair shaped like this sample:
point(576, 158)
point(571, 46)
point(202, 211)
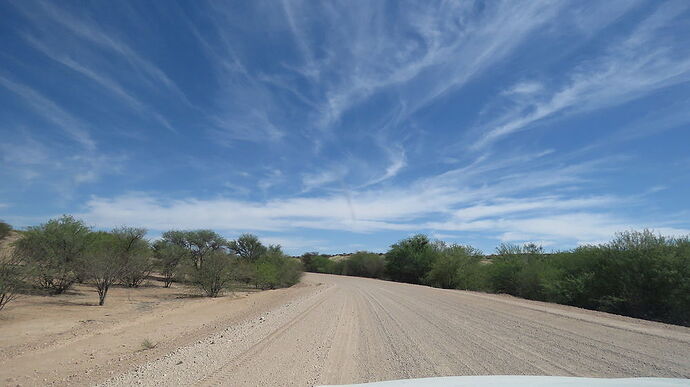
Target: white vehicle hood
point(528, 381)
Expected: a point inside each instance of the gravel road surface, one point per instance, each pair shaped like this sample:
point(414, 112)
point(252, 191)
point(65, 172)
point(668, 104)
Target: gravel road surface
point(354, 330)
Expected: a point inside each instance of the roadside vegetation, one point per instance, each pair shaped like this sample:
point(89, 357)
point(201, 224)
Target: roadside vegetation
point(5, 230)
point(638, 274)
point(52, 257)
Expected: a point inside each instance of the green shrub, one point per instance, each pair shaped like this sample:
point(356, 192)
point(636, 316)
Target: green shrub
point(290, 272)
point(147, 344)
point(334, 267)
point(515, 270)
point(267, 276)
point(452, 265)
point(640, 274)
point(134, 254)
point(198, 243)
point(102, 264)
point(244, 271)
point(274, 269)
point(364, 264)
point(168, 258)
point(5, 230)
point(411, 259)
point(56, 250)
point(472, 275)
point(215, 275)
point(13, 275)
point(317, 263)
point(637, 274)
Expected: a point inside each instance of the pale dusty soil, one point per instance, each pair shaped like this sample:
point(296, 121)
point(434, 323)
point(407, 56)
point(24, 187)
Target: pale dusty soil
point(326, 330)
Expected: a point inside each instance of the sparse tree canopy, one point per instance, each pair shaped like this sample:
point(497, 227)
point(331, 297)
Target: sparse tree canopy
point(215, 275)
point(13, 275)
point(169, 256)
point(249, 247)
point(198, 242)
point(104, 263)
point(133, 252)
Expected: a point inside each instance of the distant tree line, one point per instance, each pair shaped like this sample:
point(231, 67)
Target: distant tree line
point(55, 255)
point(638, 274)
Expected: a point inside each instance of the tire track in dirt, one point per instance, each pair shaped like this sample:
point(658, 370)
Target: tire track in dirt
point(225, 372)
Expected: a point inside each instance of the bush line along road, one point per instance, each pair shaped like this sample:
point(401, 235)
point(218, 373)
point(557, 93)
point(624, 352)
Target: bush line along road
point(335, 329)
point(329, 329)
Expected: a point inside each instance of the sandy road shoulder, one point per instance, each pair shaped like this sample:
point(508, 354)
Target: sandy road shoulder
point(203, 360)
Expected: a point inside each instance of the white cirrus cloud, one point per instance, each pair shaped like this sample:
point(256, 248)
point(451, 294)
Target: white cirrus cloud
point(636, 66)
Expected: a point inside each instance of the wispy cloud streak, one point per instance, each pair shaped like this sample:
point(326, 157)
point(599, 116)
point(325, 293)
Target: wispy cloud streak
point(633, 67)
point(51, 112)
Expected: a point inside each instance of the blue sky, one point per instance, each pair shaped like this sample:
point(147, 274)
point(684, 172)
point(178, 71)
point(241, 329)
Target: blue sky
point(340, 126)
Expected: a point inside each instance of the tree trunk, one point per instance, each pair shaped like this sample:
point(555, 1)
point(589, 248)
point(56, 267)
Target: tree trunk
point(101, 295)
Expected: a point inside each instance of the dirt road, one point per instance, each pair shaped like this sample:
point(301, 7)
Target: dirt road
point(332, 330)
point(355, 330)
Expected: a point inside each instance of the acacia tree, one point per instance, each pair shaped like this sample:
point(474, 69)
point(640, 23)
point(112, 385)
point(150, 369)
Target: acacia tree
point(12, 278)
point(199, 243)
point(215, 275)
point(133, 253)
point(104, 265)
point(55, 248)
point(168, 256)
point(249, 247)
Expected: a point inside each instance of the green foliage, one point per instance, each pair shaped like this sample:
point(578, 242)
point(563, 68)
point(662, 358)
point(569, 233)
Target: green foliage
point(451, 268)
point(317, 263)
point(244, 271)
point(411, 259)
point(168, 257)
point(134, 254)
point(638, 274)
point(56, 250)
point(215, 275)
point(147, 344)
point(13, 275)
point(291, 271)
point(363, 264)
point(5, 230)
point(267, 275)
point(274, 269)
point(122, 255)
point(512, 270)
point(248, 247)
point(103, 265)
point(199, 243)
point(64, 251)
point(266, 267)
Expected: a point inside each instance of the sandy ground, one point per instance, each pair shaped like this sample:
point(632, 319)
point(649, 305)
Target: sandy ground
point(326, 330)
